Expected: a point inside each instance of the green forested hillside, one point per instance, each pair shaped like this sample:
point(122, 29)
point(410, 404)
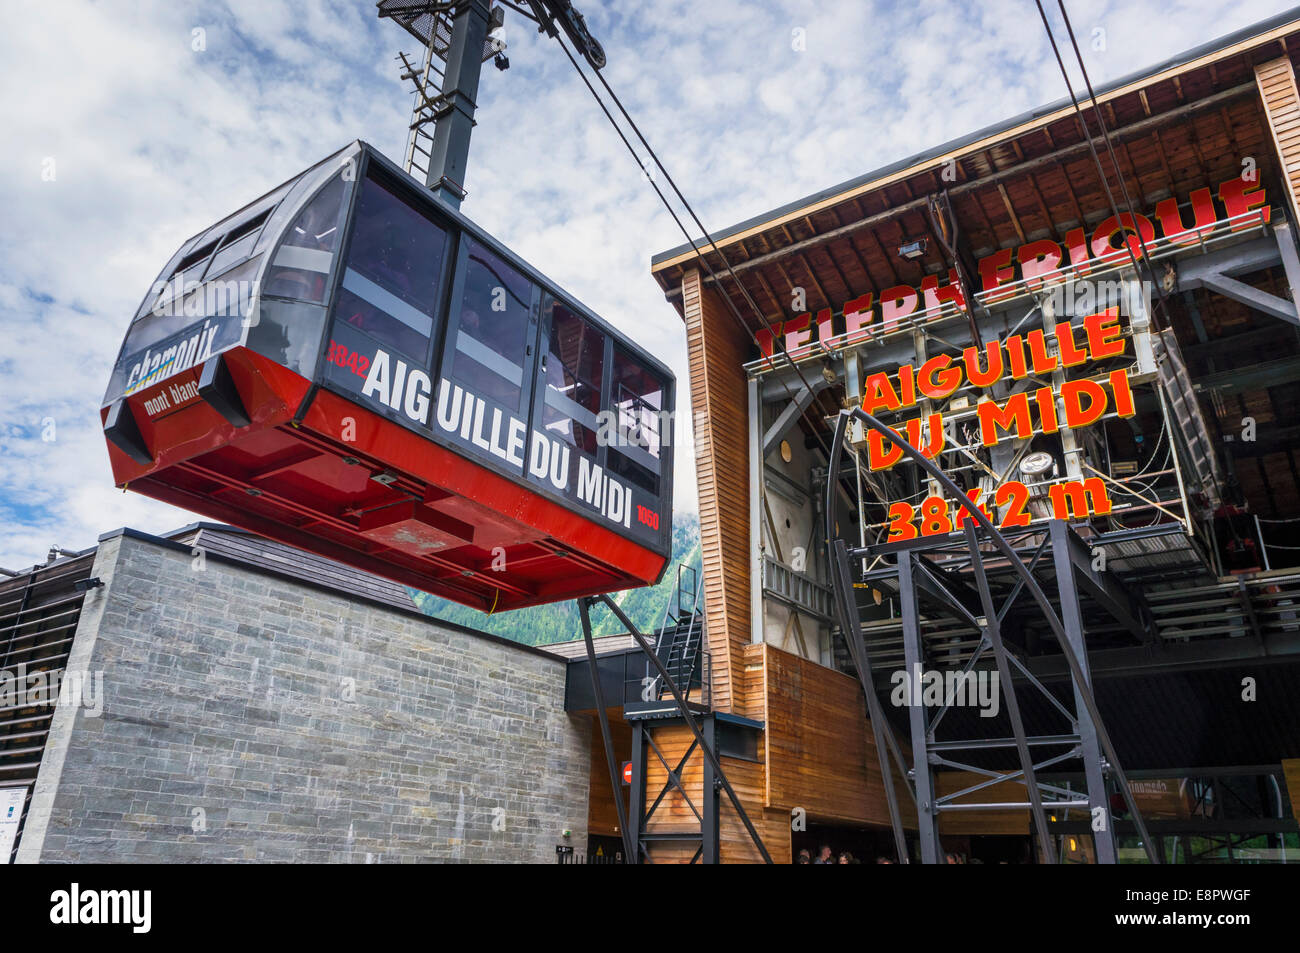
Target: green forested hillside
point(559, 622)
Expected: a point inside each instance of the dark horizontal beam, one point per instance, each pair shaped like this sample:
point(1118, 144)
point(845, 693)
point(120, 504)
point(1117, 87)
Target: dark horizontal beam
point(1132, 130)
point(1163, 658)
point(1269, 438)
point(1221, 346)
point(1268, 374)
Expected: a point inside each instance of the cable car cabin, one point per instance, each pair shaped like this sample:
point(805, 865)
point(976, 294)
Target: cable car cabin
point(351, 367)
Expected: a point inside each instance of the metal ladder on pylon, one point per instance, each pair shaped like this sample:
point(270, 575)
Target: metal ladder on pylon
point(428, 104)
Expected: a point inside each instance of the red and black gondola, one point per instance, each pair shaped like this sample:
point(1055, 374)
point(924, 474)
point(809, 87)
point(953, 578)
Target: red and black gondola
point(349, 366)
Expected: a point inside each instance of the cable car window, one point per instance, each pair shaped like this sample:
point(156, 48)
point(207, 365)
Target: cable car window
point(249, 218)
point(301, 266)
point(491, 338)
point(231, 254)
point(637, 399)
point(237, 245)
point(390, 286)
point(184, 280)
point(289, 333)
point(305, 184)
point(196, 259)
point(575, 366)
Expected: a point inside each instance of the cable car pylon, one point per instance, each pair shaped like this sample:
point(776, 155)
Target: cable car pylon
point(1087, 738)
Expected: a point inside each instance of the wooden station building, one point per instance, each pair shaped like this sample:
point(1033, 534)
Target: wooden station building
point(1190, 583)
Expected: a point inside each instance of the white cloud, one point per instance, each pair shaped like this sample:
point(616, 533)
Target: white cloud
point(153, 140)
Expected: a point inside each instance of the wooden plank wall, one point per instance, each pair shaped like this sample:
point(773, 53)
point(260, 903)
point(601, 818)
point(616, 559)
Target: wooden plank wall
point(602, 815)
point(751, 698)
point(821, 754)
point(773, 825)
point(674, 815)
point(719, 401)
point(1277, 87)
point(1291, 772)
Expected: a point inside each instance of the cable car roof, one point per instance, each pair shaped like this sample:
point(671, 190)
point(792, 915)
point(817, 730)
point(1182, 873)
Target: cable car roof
point(279, 214)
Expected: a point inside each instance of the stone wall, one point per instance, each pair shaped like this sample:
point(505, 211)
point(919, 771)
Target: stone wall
point(248, 718)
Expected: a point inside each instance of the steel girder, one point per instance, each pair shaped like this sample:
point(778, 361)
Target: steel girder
point(1086, 738)
point(713, 773)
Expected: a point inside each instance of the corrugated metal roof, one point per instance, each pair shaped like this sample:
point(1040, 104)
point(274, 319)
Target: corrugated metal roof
point(603, 644)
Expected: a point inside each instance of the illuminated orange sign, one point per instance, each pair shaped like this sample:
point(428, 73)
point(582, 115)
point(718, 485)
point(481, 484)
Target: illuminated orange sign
point(1076, 403)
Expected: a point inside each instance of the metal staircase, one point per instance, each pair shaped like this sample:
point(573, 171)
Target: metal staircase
point(679, 644)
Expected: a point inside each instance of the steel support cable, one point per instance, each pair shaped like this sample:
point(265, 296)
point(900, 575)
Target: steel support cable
point(1101, 171)
point(1114, 159)
point(731, 305)
point(1000, 543)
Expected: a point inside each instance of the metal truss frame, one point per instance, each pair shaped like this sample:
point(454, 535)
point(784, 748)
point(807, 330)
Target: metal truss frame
point(714, 777)
point(1086, 738)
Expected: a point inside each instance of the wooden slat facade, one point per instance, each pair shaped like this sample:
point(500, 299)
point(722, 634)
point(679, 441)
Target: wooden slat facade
point(717, 349)
point(1277, 89)
point(602, 814)
point(673, 815)
point(821, 754)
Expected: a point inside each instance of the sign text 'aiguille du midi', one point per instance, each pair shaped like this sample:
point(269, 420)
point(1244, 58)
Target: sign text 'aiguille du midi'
point(1077, 403)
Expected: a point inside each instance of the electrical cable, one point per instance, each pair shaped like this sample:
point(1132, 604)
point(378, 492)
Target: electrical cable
point(1101, 171)
point(1110, 148)
point(731, 305)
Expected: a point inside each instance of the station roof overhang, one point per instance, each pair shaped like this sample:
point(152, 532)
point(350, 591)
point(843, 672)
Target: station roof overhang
point(1180, 125)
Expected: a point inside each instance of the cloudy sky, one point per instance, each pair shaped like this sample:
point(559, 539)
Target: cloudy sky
point(121, 139)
